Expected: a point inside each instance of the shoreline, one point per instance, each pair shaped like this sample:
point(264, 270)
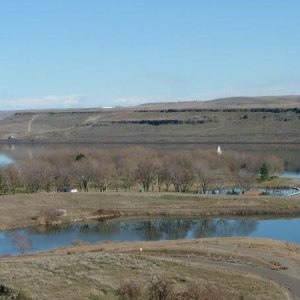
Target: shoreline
point(184, 206)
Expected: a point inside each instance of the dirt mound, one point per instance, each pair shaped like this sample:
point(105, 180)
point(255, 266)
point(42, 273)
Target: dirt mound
point(106, 213)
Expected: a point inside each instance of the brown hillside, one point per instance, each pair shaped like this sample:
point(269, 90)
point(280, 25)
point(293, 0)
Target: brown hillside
point(234, 120)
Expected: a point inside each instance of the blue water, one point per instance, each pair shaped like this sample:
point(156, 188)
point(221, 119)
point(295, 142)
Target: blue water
point(47, 238)
point(271, 192)
point(5, 160)
point(291, 174)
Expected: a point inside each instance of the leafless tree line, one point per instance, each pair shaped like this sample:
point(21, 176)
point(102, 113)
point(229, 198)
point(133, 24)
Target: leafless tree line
point(136, 168)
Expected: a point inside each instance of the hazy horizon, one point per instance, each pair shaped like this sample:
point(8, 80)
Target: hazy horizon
point(138, 104)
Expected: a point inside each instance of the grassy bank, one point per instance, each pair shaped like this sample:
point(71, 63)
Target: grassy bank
point(26, 209)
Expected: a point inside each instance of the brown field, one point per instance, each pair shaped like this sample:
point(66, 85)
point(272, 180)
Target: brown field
point(177, 123)
point(96, 272)
point(24, 209)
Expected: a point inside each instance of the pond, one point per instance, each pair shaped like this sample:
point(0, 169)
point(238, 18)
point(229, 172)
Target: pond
point(46, 238)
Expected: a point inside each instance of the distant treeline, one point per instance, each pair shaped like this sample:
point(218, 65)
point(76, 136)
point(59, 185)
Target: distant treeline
point(164, 122)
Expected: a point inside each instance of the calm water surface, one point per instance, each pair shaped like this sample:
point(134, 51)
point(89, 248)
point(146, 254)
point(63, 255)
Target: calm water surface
point(150, 230)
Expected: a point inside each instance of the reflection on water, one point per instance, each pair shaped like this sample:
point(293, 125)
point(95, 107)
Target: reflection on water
point(49, 237)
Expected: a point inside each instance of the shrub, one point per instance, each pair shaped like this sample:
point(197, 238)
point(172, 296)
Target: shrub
point(22, 243)
point(48, 217)
point(209, 292)
point(160, 289)
point(79, 156)
point(129, 290)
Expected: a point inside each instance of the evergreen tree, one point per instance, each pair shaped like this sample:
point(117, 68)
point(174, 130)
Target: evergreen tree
point(264, 172)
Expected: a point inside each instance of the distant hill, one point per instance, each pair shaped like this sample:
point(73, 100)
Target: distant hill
point(5, 114)
point(232, 102)
point(252, 102)
point(227, 120)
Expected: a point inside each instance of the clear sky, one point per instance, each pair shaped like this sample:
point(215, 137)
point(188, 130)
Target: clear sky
point(92, 53)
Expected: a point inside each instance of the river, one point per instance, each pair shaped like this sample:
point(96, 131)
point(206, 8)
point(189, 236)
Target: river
point(47, 238)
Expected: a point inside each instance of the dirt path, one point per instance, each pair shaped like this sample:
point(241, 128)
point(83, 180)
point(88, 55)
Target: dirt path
point(290, 284)
point(273, 260)
point(92, 119)
point(275, 264)
point(30, 123)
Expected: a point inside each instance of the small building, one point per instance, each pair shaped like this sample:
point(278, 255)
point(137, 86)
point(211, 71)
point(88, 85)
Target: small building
point(67, 189)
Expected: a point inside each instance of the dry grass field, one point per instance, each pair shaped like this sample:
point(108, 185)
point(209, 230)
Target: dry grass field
point(24, 209)
point(223, 120)
point(99, 271)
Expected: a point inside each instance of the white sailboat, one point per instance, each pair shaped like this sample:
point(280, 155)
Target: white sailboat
point(219, 150)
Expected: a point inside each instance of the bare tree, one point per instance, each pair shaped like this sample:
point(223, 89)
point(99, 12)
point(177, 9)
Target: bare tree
point(181, 172)
point(32, 175)
point(22, 243)
point(102, 172)
point(146, 170)
point(10, 177)
point(118, 163)
point(244, 169)
point(83, 172)
point(275, 165)
point(203, 175)
point(127, 174)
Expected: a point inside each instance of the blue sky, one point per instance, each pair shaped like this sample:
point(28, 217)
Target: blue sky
point(92, 53)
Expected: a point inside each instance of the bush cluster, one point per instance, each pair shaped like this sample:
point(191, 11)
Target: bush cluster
point(163, 288)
